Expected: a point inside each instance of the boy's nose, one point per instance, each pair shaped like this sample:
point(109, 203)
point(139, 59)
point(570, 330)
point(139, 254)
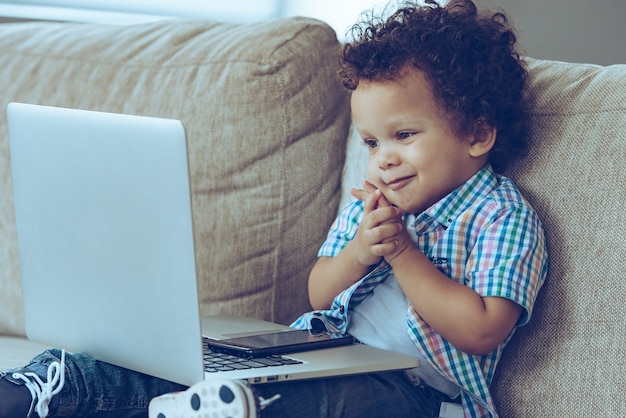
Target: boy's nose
point(388, 157)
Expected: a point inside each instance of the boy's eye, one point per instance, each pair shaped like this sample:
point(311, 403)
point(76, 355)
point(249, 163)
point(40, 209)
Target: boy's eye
point(370, 143)
point(404, 135)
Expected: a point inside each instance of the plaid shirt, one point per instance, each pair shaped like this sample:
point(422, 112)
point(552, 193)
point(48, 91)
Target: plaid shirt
point(483, 235)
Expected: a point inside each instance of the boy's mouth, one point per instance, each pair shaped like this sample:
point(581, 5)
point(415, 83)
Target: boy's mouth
point(399, 182)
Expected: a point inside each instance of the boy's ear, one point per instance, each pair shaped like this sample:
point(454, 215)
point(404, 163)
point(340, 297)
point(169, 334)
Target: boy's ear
point(483, 139)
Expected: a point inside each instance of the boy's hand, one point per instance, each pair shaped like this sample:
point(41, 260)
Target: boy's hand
point(380, 233)
point(401, 242)
point(381, 222)
point(361, 194)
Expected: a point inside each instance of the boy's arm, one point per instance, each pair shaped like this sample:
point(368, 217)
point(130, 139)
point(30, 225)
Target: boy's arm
point(331, 275)
point(473, 324)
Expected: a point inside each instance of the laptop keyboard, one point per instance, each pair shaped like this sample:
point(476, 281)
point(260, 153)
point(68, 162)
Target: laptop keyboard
point(220, 362)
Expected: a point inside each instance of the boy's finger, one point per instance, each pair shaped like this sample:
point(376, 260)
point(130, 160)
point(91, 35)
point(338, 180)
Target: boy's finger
point(387, 214)
point(383, 202)
point(368, 186)
point(371, 201)
point(359, 194)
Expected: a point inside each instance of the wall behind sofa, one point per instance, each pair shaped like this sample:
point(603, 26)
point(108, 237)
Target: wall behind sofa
point(569, 30)
point(565, 30)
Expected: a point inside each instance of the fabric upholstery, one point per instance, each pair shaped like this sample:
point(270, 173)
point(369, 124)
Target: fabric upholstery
point(17, 351)
point(572, 355)
point(259, 137)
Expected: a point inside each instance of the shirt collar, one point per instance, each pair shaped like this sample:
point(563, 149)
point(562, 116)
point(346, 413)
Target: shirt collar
point(446, 210)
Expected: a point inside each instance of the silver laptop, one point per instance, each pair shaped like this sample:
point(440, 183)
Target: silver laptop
point(106, 249)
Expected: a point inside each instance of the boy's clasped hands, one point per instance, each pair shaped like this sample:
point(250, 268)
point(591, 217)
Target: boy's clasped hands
point(382, 233)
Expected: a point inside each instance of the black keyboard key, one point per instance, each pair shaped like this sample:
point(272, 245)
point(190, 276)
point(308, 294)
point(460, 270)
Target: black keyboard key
point(216, 362)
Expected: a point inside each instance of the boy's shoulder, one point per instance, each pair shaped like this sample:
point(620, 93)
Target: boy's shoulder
point(489, 186)
point(507, 191)
point(482, 200)
point(503, 204)
point(507, 197)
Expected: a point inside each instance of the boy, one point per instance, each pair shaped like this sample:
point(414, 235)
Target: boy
point(439, 257)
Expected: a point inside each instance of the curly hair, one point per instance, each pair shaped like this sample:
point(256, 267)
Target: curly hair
point(468, 57)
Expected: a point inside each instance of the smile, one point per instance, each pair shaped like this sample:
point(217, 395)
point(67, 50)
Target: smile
point(399, 183)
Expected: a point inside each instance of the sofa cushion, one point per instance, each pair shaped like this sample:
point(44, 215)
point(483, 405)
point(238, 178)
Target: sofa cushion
point(266, 121)
point(573, 351)
point(18, 351)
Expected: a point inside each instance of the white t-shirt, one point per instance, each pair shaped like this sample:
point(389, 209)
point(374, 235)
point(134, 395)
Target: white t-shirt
point(380, 321)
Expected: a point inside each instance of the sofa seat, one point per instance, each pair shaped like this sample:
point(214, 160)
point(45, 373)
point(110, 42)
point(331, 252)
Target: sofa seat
point(17, 351)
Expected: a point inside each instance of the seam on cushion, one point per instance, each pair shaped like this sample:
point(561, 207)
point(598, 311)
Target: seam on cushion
point(272, 62)
point(281, 82)
point(129, 64)
point(289, 40)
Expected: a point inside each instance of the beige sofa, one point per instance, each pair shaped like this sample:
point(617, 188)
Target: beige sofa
point(268, 128)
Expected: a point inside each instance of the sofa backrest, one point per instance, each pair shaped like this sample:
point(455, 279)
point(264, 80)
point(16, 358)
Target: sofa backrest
point(265, 118)
point(570, 359)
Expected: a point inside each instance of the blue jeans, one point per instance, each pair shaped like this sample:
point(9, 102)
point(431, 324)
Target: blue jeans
point(95, 388)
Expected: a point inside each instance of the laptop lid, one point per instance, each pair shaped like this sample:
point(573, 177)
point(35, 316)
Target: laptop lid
point(103, 213)
point(106, 249)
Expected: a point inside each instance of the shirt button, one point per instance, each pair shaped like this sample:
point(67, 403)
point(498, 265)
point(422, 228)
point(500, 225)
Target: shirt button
point(342, 309)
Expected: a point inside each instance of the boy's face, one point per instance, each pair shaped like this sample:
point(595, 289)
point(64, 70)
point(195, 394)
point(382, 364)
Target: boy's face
point(415, 158)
